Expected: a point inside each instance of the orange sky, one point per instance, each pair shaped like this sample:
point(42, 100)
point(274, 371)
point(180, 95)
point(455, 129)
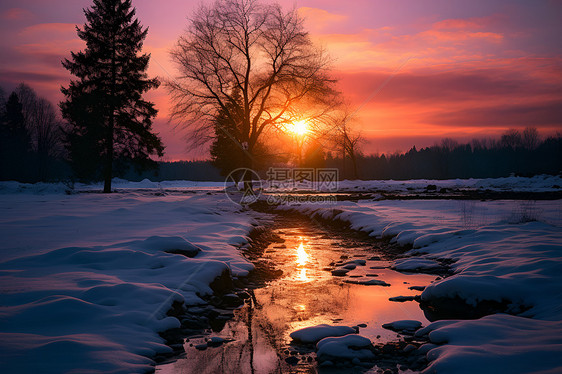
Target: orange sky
point(415, 71)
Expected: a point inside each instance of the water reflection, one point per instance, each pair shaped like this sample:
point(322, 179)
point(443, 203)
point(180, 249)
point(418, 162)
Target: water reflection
point(307, 295)
point(302, 275)
point(302, 256)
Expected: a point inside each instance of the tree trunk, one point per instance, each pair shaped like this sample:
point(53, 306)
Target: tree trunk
point(108, 169)
point(354, 163)
point(248, 164)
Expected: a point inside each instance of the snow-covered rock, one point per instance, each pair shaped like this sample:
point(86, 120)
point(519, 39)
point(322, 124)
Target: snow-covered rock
point(368, 282)
point(313, 334)
point(345, 347)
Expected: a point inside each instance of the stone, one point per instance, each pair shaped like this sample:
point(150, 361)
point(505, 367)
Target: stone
point(339, 272)
point(409, 348)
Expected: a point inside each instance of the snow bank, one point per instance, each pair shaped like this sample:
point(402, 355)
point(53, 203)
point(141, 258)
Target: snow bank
point(86, 280)
point(499, 253)
point(496, 343)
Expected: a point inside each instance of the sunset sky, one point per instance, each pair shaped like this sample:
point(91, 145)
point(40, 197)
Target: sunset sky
point(459, 69)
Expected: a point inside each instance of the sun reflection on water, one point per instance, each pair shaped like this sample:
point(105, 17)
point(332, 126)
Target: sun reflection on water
point(301, 260)
point(302, 256)
point(300, 307)
point(302, 275)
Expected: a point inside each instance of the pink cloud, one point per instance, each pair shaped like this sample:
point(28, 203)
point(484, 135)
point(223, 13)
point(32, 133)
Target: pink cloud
point(469, 75)
point(465, 23)
point(48, 29)
point(318, 19)
point(16, 14)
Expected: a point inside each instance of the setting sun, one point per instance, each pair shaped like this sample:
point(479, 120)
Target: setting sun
point(299, 128)
point(246, 179)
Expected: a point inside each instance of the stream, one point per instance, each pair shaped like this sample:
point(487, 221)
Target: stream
point(256, 334)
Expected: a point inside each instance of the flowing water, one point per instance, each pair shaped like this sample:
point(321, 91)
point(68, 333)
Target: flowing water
point(306, 294)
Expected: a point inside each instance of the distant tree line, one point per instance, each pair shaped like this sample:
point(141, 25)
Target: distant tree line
point(31, 137)
point(520, 153)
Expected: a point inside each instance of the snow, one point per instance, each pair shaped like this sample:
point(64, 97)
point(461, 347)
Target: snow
point(413, 264)
point(503, 251)
point(344, 347)
point(41, 188)
point(313, 334)
point(86, 279)
point(495, 343)
point(538, 183)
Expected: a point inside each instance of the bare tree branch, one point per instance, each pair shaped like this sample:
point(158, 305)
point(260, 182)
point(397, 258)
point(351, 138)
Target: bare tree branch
point(258, 51)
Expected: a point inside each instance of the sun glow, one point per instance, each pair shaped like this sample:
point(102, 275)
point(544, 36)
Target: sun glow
point(299, 128)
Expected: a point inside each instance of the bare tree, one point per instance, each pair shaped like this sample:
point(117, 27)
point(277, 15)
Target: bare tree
point(449, 144)
point(44, 127)
point(511, 139)
point(346, 138)
point(258, 52)
point(531, 138)
point(28, 99)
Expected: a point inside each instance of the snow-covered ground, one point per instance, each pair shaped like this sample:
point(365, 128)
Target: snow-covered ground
point(85, 279)
point(505, 251)
point(539, 183)
point(117, 184)
point(85, 282)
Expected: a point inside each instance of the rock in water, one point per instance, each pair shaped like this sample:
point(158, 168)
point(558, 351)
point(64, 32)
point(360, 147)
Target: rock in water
point(339, 272)
point(401, 325)
point(401, 299)
point(315, 333)
point(346, 347)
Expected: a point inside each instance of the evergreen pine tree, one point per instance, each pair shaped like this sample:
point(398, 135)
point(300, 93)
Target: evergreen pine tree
point(226, 151)
point(109, 119)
